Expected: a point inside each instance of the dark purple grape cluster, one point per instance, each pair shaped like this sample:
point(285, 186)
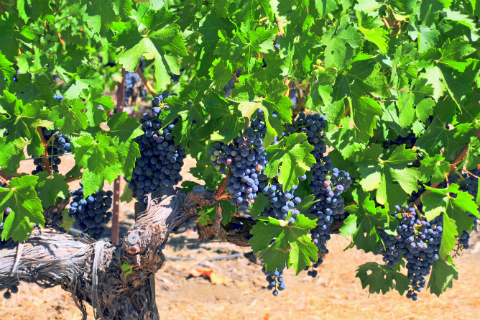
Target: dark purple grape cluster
point(281, 205)
point(245, 159)
point(131, 79)
point(409, 141)
point(258, 124)
point(59, 145)
point(471, 186)
point(275, 280)
point(8, 294)
point(327, 183)
point(161, 160)
point(231, 84)
point(417, 241)
point(91, 213)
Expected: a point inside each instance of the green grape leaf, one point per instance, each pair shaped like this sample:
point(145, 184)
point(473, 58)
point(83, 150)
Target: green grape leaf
point(340, 43)
point(208, 174)
point(188, 109)
point(6, 72)
point(433, 169)
point(292, 157)
point(224, 118)
point(11, 35)
point(437, 137)
point(96, 104)
point(69, 116)
point(442, 277)
point(29, 90)
point(363, 78)
point(50, 188)
point(393, 179)
point(21, 121)
point(102, 14)
point(363, 227)
point(381, 279)
point(378, 36)
point(220, 72)
point(256, 209)
point(292, 246)
point(20, 196)
point(162, 42)
point(12, 153)
point(207, 214)
point(85, 78)
point(228, 210)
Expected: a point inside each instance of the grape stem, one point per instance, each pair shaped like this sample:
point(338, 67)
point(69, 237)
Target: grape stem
point(223, 186)
point(453, 165)
point(281, 31)
point(45, 163)
point(3, 7)
point(146, 83)
point(71, 179)
point(63, 18)
point(116, 184)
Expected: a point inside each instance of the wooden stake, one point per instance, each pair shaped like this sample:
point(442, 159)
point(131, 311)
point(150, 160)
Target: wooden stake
point(116, 183)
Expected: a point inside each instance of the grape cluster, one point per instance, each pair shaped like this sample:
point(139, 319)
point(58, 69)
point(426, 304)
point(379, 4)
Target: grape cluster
point(91, 213)
point(327, 183)
point(275, 280)
point(45, 38)
point(8, 294)
point(471, 186)
point(59, 145)
point(409, 141)
point(280, 205)
point(245, 158)
point(230, 85)
point(131, 81)
point(161, 161)
point(418, 241)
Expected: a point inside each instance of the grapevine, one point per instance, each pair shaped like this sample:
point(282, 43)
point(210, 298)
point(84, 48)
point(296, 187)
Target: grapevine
point(297, 121)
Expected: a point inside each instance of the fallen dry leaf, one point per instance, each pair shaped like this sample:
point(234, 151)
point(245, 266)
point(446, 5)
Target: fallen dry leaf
point(214, 276)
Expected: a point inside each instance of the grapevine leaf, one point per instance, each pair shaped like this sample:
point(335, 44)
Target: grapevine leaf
point(340, 44)
point(85, 78)
point(6, 72)
point(70, 116)
point(163, 36)
point(292, 157)
point(381, 279)
point(96, 104)
point(207, 214)
point(29, 90)
point(363, 78)
point(433, 169)
point(291, 245)
point(367, 220)
point(50, 188)
point(442, 277)
point(378, 36)
point(10, 36)
point(261, 201)
point(437, 137)
point(390, 176)
point(20, 196)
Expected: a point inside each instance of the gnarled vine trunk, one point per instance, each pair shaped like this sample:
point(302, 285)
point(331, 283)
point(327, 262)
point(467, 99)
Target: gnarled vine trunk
point(92, 270)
